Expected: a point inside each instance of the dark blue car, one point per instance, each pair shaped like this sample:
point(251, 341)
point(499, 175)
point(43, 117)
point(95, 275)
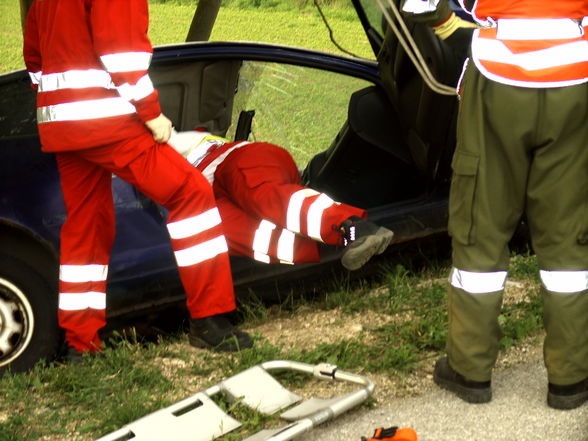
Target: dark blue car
point(368, 133)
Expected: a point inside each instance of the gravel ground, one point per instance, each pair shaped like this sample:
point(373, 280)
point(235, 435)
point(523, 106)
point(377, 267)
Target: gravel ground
point(518, 412)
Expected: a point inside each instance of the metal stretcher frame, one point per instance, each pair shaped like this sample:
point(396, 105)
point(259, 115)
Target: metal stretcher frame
point(198, 418)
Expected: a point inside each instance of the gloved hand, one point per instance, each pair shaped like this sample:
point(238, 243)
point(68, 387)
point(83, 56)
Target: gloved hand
point(392, 434)
point(160, 128)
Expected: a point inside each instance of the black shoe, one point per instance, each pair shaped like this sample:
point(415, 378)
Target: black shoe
point(72, 356)
point(569, 396)
point(362, 240)
point(216, 332)
point(471, 391)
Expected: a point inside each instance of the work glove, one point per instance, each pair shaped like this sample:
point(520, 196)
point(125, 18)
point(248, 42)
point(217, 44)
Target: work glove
point(392, 434)
point(457, 33)
point(160, 128)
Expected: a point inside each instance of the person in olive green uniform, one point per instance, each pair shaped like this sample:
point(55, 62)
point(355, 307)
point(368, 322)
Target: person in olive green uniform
point(522, 149)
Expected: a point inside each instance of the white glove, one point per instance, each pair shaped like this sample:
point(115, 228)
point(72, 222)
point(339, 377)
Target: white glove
point(160, 128)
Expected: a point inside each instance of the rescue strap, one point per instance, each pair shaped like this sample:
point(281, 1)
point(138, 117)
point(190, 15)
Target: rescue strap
point(392, 434)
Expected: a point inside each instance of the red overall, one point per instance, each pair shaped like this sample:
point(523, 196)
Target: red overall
point(267, 214)
point(88, 60)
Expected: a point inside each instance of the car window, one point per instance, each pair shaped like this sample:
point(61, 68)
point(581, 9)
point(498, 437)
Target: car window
point(299, 108)
point(374, 16)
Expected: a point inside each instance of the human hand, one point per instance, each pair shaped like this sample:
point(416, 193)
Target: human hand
point(160, 128)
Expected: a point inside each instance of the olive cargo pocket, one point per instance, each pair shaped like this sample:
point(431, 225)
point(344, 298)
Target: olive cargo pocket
point(461, 197)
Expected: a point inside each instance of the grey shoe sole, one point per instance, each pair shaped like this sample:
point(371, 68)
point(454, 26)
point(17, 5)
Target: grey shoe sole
point(566, 402)
point(359, 252)
point(230, 344)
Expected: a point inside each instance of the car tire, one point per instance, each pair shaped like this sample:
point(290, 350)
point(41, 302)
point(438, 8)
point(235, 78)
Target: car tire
point(29, 330)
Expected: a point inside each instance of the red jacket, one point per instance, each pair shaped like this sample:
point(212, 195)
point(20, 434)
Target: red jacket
point(88, 60)
point(532, 43)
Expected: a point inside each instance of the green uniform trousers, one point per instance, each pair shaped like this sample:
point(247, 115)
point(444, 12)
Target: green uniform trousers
point(519, 151)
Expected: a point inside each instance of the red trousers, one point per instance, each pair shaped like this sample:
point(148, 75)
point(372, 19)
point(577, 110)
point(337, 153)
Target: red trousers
point(87, 235)
point(267, 214)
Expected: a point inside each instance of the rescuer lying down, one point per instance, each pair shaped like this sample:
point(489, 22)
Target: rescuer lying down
point(267, 214)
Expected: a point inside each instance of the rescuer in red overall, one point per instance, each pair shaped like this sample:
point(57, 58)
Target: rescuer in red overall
point(98, 112)
point(267, 214)
point(522, 139)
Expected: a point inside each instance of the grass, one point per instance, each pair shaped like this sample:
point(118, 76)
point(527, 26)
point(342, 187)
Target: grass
point(132, 378)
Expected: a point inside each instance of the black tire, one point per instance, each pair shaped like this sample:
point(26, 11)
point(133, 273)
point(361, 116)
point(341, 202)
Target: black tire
point(29, 330)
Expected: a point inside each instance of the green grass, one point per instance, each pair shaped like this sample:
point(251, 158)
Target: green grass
point(170, 21)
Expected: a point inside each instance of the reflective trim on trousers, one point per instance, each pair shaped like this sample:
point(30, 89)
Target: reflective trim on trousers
point(83, 110)
point(126, 61)
point(295, 208)
point(194, 225)
point(261, 241)
point(82, 300)
point(477, 282)
point(201, 252)
point(83, 273)
point(315, 216)
point(420, 6)
point(564, 281)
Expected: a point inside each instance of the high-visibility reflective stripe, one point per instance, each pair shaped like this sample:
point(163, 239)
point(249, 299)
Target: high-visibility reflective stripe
point(201, 252)
point(260, 257)
point(487, 49)
point(194, 225)
point(420, 6)
point(315, 215)
point(83, 273)
point(75, 79)
point(143, 88)
point(81, 301)
point(35, 77)
point(126, 61)
point(286, 247)
point(564, 281)
point(83, 110)
point(477, 283)
point(208, 171)
point(538, 29)
point(295, 207)
point(262, 237)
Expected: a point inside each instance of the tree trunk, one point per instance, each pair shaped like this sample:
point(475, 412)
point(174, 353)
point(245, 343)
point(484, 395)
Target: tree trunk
point(203, 20)
point(24, 8)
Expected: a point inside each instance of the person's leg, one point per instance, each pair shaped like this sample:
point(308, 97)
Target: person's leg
point(260, 239)
point(263, 180)
point(486, 203)
point(195, 229)
point(86, 240)
point(558, 213)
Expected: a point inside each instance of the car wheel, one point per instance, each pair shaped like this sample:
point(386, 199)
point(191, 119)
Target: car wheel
point(28, 316)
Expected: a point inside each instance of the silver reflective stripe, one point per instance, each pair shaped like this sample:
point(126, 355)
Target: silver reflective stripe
point(82, 300)
point(143, 88)
point(126, 61)
point(477, 283)
point(83, 110)
point(83, 273)
point(295, 207)
point(201, 252)
point(261, 240)
point(538, 29)
point(286, 247)
point(564, 281)
point(194, 225)
point(315, 215)
point(35, 77)
point(208, 171)
point(420, 6)
point(488, 49)
point(75, 79)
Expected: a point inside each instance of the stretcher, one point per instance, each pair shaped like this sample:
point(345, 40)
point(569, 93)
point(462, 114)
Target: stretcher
point(199, 418)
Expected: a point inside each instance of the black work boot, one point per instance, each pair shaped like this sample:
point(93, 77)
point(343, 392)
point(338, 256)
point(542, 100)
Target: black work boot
point(362, 240)
point(72, 356)
point(216, 332)
point(471, 391)
point(569, 396)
